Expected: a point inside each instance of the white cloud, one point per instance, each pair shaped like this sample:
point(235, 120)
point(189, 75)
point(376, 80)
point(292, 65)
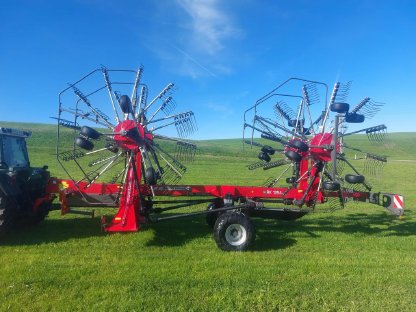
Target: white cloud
point(209, 26)
point(223, 110)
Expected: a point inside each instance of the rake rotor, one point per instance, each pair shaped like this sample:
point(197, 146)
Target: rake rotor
point(94, 147)
point(312, 146)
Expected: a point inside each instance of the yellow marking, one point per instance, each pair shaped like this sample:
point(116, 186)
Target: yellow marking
point(63, 185)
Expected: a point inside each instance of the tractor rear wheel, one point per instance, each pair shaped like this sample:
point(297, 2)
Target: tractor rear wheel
point(38, 216)
point(7, 212)
point(234, 231)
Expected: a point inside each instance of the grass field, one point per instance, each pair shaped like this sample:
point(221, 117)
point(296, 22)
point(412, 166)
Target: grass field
point(356, 259)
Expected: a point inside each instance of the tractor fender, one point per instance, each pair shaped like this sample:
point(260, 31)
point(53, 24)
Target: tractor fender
point(8, 186)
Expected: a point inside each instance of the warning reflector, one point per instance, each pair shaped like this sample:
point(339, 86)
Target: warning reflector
point(398, 202)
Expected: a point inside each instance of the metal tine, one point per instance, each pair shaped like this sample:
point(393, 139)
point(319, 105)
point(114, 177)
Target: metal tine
point(93, 175)
point(255, 165)
point(276, 164)
point(78, 153)
point(264, 128)
point(185, 151)
point(110, 92)
point(106, 168)
point(339, 167)
point(118, 175)
point(310, 94)
point(282, 110)
point(170, 172)
point(71, 155)
point(368, 131)
point(79, 113)
point(336, 203)
point(174, 117)
point(263, 122)
point(376, 134)
point(162, 152)
point(185, 124)
point(277, 179)
point(367, 107)
point(270, 182)
point(168, 106)
point(253, 143)
point(340, 92)
point(87, 102)
point(67, 123)
point(102, 159)
point(365, 183)
point(343, 91)
point(165, 92)
point(137, 80)
point(142, 100)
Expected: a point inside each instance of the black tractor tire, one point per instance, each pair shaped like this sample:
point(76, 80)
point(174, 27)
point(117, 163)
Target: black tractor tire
point(340, 108)
point(354, 179)
point(8, 208)
point(84, 143)
point(211, 217)
point(90, 133)
point(293, 156)
point(234, 231)
point(331, 186)
point(301, 146)
point(40, 214)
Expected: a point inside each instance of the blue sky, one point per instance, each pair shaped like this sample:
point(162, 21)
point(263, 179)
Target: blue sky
point(221, 55)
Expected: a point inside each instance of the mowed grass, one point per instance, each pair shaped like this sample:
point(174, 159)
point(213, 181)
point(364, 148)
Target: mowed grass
point(356, 259)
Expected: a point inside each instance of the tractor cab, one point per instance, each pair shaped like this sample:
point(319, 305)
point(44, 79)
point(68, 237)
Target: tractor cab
point(22, 188)
point(13, 150)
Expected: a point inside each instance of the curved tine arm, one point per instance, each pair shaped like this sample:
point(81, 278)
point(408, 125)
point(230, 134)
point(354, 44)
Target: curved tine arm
point(168, 117)
point(110, 92)
point(162, 137)
point(269, 94)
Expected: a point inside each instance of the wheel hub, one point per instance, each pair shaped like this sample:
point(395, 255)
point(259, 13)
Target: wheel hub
point(236, 234)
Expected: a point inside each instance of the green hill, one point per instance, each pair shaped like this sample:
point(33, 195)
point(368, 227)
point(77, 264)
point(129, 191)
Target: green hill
point(397, 146)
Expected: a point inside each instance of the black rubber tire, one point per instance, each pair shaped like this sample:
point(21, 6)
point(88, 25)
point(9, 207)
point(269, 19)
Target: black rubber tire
point(264, 156)
point(293, 156)
point(90, 133)
point(340, 108)
point(354, 118)
point(332, 186)
point(150, 176)
point(84, 143)
point(212, 217)
point(112, 148)
point(354, 179)
point(301, 146)
point(8, 208)
point(37, 217)
point(125, 104)
point(234, 231)
point(268, 149)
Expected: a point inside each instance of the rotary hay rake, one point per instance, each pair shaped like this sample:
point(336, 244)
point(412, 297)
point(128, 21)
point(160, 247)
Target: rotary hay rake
point(130, 169)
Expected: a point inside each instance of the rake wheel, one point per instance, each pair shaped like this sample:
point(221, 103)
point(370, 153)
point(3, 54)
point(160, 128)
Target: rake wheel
point(108, 126)
point(312, 142)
